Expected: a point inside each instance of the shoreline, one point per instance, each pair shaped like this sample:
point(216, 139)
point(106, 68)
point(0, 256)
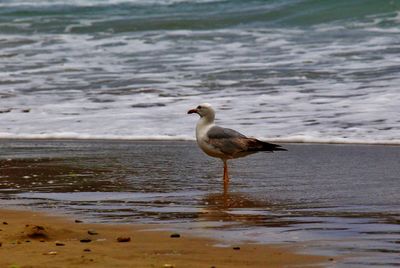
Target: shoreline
point(177, 139)
point(36, 239)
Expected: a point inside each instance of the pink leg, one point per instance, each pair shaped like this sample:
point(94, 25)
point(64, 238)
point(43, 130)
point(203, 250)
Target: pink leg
point(226, 177)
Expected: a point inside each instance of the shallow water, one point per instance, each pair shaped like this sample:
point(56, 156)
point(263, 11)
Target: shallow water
point(328, 199)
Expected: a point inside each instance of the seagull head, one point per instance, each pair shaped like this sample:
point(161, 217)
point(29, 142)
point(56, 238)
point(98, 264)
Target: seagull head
point(204, 110)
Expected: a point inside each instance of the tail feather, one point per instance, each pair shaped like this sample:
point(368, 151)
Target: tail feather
point(257, 145)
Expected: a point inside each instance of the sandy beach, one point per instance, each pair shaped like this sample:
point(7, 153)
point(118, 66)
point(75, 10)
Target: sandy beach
point(32, 239)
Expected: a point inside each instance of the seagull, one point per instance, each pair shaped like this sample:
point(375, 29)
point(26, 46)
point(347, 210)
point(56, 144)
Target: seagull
point(225, 143)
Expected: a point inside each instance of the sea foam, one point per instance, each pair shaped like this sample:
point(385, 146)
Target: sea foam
point(131, 70)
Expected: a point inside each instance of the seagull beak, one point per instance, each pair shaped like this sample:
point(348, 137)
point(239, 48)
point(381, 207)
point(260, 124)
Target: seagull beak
point(193, 111)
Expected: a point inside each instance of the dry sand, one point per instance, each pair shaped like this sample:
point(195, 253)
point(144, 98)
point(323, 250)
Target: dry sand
point(32, 239)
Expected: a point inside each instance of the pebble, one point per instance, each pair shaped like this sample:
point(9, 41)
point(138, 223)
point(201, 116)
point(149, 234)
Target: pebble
point(168, 266)
point(236, 248)
point(123, 239)
point(78, 221)
point(92, 232)
point(5, 223)
point(87, 250)
point(37, 232)
point(1, 244)
point(26, 110)
point(59, 244)
point(5, 111)
point(51, 253)
point(85, 240)
point(175, 235)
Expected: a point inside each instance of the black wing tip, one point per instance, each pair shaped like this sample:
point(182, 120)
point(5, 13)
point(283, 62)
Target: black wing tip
point(272, 147)
point(278, 147)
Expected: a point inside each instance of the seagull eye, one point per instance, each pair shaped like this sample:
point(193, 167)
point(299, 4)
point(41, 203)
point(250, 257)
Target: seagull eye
point(199, 107)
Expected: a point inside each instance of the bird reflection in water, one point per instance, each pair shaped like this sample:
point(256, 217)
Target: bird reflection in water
point(243, 210)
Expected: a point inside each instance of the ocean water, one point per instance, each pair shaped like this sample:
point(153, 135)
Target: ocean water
point(284, 70)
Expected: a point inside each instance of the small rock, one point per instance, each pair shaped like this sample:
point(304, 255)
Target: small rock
point(26, 110)
point(92, 232)
point(5, 111)
point(5, 223)
point(331, 259)
point(27, 241)
point(36, 231)
point(123, 239)
point(236, 248)
point(85, 240)
point(51, 253)
point(78, 221)
point(168, 265)
point(175, 235)
point(1, 243)
point(87, 250)
point(59, 244)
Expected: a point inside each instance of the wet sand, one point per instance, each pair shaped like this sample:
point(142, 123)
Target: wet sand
point(32, 239)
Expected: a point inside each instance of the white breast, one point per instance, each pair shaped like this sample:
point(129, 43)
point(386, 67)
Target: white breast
point(203, 141)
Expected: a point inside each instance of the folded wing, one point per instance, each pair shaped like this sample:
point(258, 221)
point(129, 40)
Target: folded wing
point(234, 144)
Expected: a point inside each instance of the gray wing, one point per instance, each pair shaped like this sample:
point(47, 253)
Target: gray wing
point(226, 140)
point(223, 133)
